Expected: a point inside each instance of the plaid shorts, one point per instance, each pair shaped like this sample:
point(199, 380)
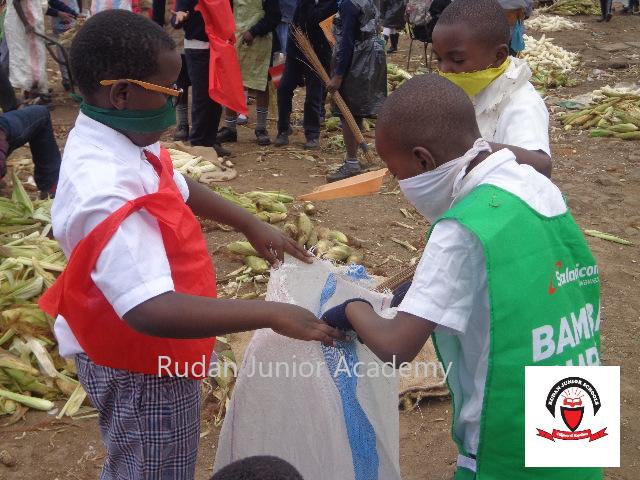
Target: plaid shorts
point(150, 425)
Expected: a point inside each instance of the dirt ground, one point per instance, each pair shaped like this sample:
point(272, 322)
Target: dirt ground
point(600, 178)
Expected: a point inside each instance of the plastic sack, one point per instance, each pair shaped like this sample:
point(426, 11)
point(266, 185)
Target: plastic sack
point(288, 403)
point(517, 38)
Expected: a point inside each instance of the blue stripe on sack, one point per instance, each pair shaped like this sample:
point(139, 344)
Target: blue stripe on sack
point(362, 437)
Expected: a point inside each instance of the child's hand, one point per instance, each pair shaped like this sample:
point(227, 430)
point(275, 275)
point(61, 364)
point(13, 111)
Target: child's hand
point(65, 17)
point(180, 16)
point(297, 322)
point(334, 84)
point(247, 38)
point(337, 316)
point(271, 244)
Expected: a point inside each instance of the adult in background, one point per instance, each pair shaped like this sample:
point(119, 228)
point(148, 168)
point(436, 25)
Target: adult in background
point(307, 17)
point(392, 16)
point(32, 125)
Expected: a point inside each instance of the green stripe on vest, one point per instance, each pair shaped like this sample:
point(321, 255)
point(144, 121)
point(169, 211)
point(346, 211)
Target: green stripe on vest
point(544, 298)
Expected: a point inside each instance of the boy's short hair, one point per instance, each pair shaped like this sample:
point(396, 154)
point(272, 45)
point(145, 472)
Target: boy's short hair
point(428, 111)
point(486, 18)
point(260, 467)
point(116, 44)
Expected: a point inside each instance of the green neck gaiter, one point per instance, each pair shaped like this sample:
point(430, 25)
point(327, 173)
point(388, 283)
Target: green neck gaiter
point(141, 121)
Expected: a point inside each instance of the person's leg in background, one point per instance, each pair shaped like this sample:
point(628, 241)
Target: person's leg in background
point(351, 165)
point(32, 125)
point(157, 11)
point(314, 101)
point(182, 109)
point(293, 69)
point(605, 9)
point(8, 99)
point(205, 113)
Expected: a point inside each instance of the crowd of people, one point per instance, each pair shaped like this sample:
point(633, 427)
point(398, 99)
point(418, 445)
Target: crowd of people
point(457, 140)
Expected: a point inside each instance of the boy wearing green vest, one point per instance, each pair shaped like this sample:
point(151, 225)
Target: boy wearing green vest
point(491, 285)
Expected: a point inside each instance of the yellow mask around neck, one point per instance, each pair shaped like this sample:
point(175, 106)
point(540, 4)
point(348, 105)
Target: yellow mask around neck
point(474, 82)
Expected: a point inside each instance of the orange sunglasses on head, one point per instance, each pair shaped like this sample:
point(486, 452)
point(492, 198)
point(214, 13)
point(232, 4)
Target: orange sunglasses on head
point(174, 92)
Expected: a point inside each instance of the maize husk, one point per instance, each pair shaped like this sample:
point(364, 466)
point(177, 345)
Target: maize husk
point(338, 236)
point(31, 402)
point(608, 236)
point(257, 264)
point(242, 248)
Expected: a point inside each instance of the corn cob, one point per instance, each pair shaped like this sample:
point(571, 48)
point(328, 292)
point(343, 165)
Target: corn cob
point(242, 248)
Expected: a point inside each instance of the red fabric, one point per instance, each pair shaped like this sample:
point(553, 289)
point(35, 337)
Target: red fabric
point(105, 337)
point(225, 79)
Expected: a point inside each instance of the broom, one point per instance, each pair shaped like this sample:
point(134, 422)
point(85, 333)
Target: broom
point(305, 47)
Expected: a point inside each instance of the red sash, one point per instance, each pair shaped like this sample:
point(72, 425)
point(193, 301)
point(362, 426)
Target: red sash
point(106, 338)
point(225, 79)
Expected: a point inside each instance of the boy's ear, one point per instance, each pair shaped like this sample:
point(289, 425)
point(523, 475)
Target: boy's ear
point(502, 52)
point(119, 94)
point(424, 161)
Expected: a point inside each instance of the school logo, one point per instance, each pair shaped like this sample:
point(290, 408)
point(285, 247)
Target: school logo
point(569, 396)
point(572, 402)
point(584, 275)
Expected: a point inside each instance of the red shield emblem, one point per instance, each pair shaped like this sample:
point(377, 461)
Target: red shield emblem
point(572, 417)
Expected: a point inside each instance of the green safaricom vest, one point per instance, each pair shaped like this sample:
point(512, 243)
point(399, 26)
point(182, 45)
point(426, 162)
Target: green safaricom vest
point(544, 298)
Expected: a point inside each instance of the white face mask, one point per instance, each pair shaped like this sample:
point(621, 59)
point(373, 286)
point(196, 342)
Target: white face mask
point(432, 193)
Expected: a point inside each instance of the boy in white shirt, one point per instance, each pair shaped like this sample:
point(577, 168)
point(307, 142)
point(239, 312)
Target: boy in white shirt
point(483, 284)
point(471, 44)
point(137, 302)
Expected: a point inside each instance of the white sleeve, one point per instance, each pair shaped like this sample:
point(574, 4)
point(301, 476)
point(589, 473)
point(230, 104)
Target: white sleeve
point(524, 121)
point(181, 182)
point(449, 278)
point(133, 266)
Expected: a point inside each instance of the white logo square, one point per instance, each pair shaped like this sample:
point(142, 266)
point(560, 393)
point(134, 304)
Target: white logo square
point(572, 416)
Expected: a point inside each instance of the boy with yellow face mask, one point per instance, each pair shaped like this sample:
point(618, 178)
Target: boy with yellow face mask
point(471, 45)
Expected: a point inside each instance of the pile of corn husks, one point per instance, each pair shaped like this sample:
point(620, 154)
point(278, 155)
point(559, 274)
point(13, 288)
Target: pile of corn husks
point(613, 112)
point(544, 78)
point(543, 53)
point(573, 7)
point(396, 76)
point(551, 23)
point(31, 371)
point(322, 241)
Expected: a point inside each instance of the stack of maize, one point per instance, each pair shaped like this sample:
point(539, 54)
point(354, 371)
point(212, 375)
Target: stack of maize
point(543, 53)
point(31, 371)
point(573, 7)
point(612, 113)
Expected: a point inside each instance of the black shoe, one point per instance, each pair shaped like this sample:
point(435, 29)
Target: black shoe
point(343, 172)
point(46, 194)
point(312, 144)
point(182, 133)
point(262, 137)
point(221, 151)
point(282, 139)
point(392, 49)
point(226, 135)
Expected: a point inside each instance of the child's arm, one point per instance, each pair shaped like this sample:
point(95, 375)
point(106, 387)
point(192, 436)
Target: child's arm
point(400, 338)
point(536, 158)
point(269, 242)
point(179, 315)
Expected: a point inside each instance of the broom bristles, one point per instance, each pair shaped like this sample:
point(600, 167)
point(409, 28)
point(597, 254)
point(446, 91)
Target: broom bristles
point(307, 50)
